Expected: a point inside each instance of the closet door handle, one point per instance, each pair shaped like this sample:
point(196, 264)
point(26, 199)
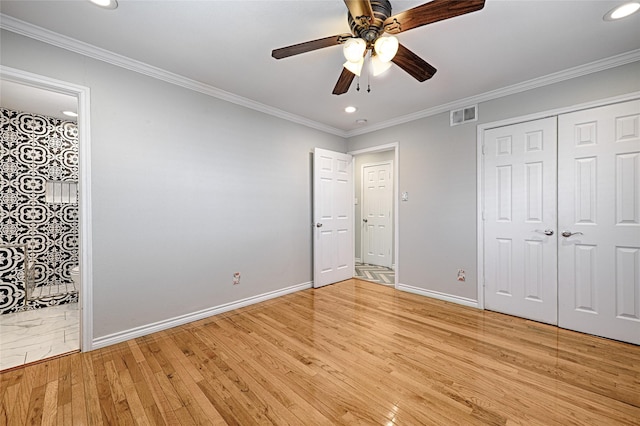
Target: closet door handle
point(567, 234)
point(365, 220)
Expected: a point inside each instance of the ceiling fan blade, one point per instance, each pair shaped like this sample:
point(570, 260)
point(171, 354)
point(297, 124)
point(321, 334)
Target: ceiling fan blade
point(342, 86)
point(434, 11)
point(308, 46)
point(360, 10)
point(414, 65)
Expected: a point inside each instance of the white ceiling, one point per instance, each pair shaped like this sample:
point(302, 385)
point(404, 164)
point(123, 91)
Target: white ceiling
point(227, 45)
point(19, 97)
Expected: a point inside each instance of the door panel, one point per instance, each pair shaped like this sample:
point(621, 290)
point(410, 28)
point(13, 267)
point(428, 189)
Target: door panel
point(333, 217)
point(520, 205)
point(599, 201)
point(377, 184)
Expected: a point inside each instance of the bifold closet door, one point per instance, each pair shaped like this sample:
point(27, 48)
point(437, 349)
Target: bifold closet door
point(599, 221)
point(520, 239)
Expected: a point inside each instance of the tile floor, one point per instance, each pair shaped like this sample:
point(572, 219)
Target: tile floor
point(38, 334)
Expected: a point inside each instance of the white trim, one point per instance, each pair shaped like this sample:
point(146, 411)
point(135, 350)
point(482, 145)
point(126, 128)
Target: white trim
point(358, 260)
point(579, 71)
point(32, 31)
point(84, 137)
point(395, 146)
point(480, 216)
point(480, 165)
point(437, 295)
point(144, 330)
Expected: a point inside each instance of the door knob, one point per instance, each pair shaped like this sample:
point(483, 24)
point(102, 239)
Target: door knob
point(365, 220)
point(318, 225)
point(567, 234)
point(548, 232)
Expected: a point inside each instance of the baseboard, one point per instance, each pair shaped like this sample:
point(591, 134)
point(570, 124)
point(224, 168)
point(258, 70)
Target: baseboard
point(358, 260)
point(143, 330)
point(440, 296)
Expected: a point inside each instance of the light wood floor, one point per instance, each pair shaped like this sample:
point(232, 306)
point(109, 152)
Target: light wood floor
point(350, 353)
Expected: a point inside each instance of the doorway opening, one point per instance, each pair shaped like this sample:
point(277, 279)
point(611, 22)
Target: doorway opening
point(376, 214)
point(45, 232)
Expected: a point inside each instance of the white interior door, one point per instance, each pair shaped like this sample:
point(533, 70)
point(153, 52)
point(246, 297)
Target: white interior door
point(520, 244)
point(333, 217)
point(377, 199)
point(599, 212)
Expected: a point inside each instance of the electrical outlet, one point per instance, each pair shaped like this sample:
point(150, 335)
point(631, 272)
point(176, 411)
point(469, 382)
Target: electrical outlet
point(236, 278)
point(461, 275)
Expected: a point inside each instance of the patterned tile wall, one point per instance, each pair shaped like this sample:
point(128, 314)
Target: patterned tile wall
point(36, 149)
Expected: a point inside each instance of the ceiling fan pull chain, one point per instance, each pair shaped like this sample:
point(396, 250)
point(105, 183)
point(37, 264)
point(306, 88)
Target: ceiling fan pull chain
point(369, 74)
point(358, 85)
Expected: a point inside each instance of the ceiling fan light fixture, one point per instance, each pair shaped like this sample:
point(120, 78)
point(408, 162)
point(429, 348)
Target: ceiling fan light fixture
point(386, 48)
point(355, 67)
point(353, 49)
point(622, 11)
point(378, 66)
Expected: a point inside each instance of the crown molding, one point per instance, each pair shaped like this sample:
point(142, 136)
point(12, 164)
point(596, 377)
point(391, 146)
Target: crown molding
point(38, 33)
point(590, 68)
point(41, 34)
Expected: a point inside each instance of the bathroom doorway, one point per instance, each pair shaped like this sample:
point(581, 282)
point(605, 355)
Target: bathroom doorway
point(43, 239)
point(375, 214)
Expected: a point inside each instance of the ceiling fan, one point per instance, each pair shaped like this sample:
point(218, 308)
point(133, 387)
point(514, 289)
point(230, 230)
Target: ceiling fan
point(369, 20)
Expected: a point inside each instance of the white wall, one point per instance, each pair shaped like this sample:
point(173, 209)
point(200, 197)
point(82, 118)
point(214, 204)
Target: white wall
point(187, 189)
point(438, 168)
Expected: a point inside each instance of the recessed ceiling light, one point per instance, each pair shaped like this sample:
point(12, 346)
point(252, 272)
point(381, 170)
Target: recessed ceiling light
point(350, 109)
point(107, 4)
point(70, 113)
point(622, 11)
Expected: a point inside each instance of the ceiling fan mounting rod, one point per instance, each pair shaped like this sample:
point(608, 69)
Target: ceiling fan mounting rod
point(370, 30)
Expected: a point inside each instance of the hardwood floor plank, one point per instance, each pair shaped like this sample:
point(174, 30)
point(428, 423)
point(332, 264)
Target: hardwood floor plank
point(92, 400)
point(50, 406)
point(345, 354)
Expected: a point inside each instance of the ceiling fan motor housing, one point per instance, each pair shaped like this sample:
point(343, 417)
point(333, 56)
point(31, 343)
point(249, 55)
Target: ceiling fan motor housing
point(371, 30)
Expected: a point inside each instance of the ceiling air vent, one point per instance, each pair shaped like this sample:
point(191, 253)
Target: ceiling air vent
point(464, 115)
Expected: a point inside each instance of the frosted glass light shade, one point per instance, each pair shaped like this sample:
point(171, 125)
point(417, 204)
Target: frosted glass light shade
point(386, 48)
point(353, 49)
point(355, 67)
point(378, 66)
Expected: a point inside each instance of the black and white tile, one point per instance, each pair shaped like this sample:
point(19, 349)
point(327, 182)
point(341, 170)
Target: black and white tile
point(36, 149)
point(375, 273)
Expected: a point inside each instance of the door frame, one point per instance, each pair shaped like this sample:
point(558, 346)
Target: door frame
point(395, 147)
point(480, 129)
point(82, 94)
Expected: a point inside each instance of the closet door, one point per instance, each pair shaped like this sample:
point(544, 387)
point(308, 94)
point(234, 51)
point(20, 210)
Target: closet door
point(520, 240)
point(599, 221)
